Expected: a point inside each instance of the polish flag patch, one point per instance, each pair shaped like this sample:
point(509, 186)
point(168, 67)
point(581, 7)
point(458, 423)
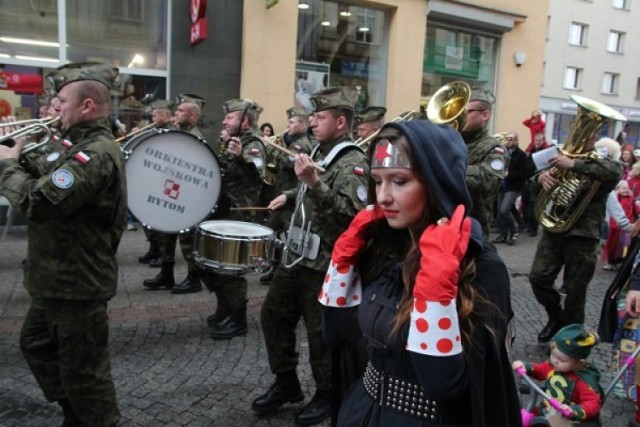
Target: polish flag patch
point(255, 151)
point(82, 157)
point(358, 171)
point(67, 143)
point(499, 150)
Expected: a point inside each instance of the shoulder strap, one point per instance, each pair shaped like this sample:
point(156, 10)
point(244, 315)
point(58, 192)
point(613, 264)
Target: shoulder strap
point(333, 154)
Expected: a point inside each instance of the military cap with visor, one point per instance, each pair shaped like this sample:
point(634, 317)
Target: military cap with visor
point(192, 99)
point(334, 97)
point(79, 71)
point(483, 95)
point(370, 114)
point(297, 112)
point(241, 104)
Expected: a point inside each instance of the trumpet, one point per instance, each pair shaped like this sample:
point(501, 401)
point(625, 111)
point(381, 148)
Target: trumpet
point(31, 127)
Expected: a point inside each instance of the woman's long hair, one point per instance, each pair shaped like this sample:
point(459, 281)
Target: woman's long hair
point(392, 245)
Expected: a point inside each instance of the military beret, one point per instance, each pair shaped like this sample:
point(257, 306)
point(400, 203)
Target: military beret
point(241, 105)
point(162, 104)
point(574, 341)
point(370, 114)
point(78, 71)
point(481, 94)
point(334, 97)
point(297, 112)
point(191, 98)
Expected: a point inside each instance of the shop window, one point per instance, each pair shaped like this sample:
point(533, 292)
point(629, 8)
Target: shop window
point(572, 78)
point(578, 34)
point(614, 41)
point(621, 4)
point(610, 83)
point(127, 10)
point(29, 30)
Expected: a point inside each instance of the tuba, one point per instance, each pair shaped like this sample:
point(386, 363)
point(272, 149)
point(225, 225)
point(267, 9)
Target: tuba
point(559, 208)
point(449, 105)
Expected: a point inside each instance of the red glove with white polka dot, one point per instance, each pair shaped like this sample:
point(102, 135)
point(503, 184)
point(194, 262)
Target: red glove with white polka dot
point(341, 287)
point(434, 328)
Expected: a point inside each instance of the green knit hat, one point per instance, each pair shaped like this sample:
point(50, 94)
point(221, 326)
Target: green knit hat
point(573, 340)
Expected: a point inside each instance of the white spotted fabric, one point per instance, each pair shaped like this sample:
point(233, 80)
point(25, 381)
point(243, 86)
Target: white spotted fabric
point(341, 287)
point(434, 329)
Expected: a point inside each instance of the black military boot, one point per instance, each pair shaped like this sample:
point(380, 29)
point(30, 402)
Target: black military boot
point(144, 259)
point(164, 279)
point(286, 389)
point(190, 284)
point(233, 326)
point(549, 330)
point(70, 418)
point(222, 310)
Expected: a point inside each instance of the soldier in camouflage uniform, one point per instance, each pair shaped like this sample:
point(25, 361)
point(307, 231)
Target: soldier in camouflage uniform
point(331, 201)
point(185, 119)
point(487, 158)
point(76, 216)
point(244, 164)
point(161, 118)
point(574, 249)
point(369, 121)
point(298, 142)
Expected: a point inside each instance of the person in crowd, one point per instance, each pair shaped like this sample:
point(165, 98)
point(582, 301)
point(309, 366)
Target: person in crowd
point(487, 158)
point(568, 375)
point(331, 199)
point(575, 248)
point(514, 180)
point(622, 135)
point(535, 123)
point(628, 159)
point(414, 279)
point(636, 154)
point(76, 215)
point(634, 180)
point(528, 198)
point(618, 239)
point(267, 130)
point(161, 119)
point(369, 121)
point(185, 119)
point(244, 164)
point(298, 143)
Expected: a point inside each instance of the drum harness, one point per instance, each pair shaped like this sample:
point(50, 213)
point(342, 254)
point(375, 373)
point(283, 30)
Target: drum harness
point(300, 240)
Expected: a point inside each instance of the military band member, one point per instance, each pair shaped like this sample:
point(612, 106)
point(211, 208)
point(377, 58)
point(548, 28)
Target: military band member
point(244, 164)
point(331, 201)
point(487, 158)
point(185, 119)
point(369, 121)
point(76, 216)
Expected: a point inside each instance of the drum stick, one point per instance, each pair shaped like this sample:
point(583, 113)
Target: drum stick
point(251, 208)
point(291, 153)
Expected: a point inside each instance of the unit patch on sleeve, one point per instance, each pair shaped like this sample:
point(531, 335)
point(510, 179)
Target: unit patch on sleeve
point(497, 165)
point(62, 178)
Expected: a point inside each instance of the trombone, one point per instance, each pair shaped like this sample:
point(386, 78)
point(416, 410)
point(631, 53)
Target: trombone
point(364, 142)
point(135, 132)
point(31, 127)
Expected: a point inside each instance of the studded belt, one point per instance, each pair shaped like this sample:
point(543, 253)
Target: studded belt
point(399, 394)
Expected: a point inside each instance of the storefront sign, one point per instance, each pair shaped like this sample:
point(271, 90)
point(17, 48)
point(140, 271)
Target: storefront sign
point(199, 28)
point(26, 83)
point(359, 69)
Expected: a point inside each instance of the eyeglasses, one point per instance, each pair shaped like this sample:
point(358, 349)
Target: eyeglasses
point(471, 111)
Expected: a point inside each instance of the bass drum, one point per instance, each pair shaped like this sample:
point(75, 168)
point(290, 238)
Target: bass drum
point(173, 179)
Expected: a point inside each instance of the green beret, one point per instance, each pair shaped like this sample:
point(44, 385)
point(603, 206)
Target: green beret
point(162, 104)
point(297, 112)
point(574, 341)
point(78, 71)
point(370, 114)
point(241, 105)
point(334, 97)
point(481, 94)
point(192, 99)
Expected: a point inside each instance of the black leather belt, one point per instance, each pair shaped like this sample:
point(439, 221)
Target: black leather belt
point(399, 394)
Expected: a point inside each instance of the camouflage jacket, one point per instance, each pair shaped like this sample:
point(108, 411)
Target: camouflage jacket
point(286, 176)
point(334, 201)
point(193, 129)
point(39, 161)
point(607, 173)
point(243, 175)
point(76, 215)
point(485, 170)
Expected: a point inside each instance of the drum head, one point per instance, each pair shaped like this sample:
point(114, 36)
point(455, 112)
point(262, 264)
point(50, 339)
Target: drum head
point(173, 180)
point(235, 228)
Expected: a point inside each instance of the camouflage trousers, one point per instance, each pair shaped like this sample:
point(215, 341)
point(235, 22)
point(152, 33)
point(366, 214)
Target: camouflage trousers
point(577, 255)
point(153, 237)
point(167, 246)
point(293, 294)
point(65, 343)
point(230, 290)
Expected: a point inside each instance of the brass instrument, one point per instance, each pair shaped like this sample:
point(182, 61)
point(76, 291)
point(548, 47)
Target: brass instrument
point(449, 105)
point(364, 142)
point(559, 208)
point(33, 127)
point(135, 132)
point(271, 169)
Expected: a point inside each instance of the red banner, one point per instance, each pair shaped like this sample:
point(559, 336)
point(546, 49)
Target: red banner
point(198, 22)
point(29, 83)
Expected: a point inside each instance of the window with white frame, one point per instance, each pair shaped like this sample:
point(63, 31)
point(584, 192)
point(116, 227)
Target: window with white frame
point(621, 4)
point(572, 78)
point(578, 34)
point(610, 83)
point(614, 41)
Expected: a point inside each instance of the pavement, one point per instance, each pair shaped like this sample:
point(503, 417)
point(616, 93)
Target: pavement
point(168, 372)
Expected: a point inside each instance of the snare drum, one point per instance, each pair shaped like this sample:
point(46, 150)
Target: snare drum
point(233, 247)
point(173, 179)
